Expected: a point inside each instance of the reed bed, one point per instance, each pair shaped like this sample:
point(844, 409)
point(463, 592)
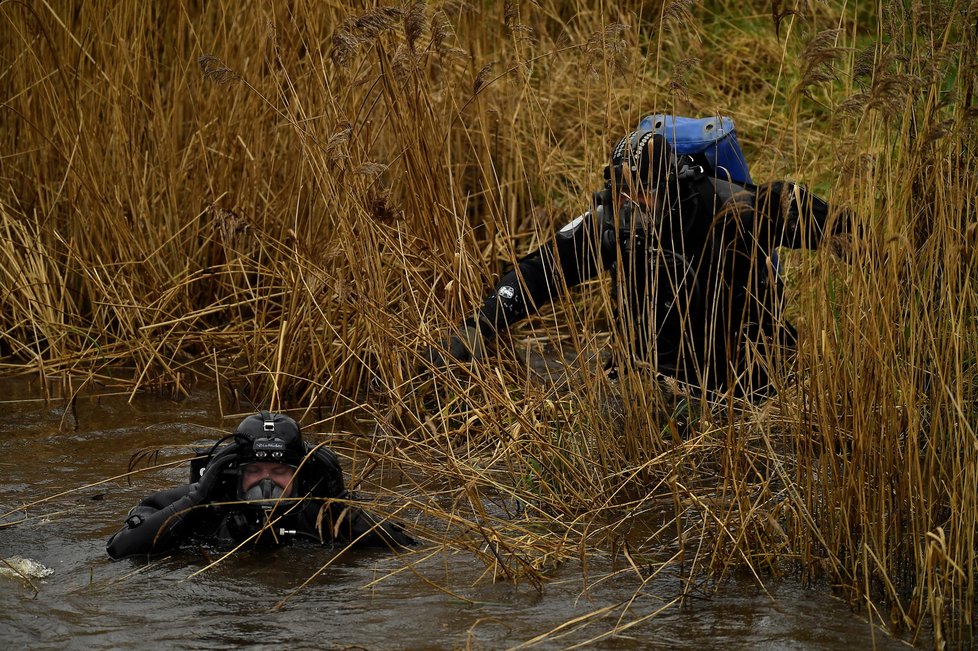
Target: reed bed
point(293, 201)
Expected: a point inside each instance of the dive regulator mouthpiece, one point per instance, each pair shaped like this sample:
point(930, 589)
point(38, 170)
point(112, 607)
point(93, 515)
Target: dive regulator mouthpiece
point(264, 491)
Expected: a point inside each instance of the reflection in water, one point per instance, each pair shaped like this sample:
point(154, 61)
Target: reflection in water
point(360, 600)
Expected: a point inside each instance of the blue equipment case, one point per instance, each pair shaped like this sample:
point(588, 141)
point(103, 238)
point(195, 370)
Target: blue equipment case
point(713, 137)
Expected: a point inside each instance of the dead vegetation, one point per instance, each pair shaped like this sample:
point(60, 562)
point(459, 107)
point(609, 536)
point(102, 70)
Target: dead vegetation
point(294, 200)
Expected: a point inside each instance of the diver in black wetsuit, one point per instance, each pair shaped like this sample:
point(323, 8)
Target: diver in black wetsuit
point(691, 249)
point(265, 487)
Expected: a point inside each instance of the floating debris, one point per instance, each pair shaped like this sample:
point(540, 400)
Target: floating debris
point(23, 568)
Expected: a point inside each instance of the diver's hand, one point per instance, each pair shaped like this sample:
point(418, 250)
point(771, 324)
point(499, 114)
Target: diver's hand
point(212, 475)
point(466, 343)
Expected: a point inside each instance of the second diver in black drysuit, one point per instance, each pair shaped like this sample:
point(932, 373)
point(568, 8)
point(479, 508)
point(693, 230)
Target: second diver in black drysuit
point(692, 254)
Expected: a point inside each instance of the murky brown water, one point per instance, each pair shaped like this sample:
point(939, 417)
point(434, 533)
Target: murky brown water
point(90, 602)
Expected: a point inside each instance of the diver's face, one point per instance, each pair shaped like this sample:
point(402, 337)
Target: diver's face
point(650, 199)
point(279, 473)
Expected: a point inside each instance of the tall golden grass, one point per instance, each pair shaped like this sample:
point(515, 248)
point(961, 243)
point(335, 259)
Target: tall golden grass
point(294, 200)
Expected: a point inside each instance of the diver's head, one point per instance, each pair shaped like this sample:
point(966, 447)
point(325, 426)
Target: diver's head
point(642, 176)
point(270, 448)
point(641, 164)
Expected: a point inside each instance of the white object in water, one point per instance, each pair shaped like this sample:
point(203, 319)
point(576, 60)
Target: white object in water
point(23, 568)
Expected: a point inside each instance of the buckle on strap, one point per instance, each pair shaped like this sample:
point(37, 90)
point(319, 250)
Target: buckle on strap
point(689, 170)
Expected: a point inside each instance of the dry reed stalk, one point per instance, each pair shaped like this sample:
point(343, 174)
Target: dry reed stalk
point(339, 185)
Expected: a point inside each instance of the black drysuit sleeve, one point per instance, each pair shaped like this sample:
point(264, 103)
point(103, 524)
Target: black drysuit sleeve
point(363, 529)
point(786, 214)
point(157, 524)
point(570, 258)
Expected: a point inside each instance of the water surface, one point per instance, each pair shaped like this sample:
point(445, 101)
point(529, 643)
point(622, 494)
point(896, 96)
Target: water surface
point(357, 602)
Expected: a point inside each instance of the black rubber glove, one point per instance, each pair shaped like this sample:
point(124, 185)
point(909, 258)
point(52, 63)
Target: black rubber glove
point(466, 343)
point(368, 530)
point(211, 478)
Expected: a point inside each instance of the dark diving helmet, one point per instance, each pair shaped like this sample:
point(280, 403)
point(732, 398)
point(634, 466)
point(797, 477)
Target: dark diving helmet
point(271, 449)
